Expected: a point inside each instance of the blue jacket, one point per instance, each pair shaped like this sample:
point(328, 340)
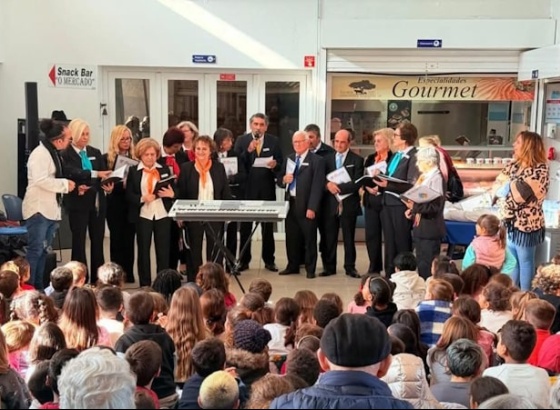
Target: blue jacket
point(342, 390)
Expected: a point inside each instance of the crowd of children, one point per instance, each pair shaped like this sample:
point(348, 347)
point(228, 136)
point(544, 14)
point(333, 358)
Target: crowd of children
point(456, 340)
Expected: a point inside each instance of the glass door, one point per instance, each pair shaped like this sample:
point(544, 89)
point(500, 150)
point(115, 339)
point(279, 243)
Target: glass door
point(183, 100)
point(282, 97)
point(133, 101)
point(232, 99)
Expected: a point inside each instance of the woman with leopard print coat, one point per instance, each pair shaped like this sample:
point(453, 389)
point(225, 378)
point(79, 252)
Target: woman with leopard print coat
point(526, 183)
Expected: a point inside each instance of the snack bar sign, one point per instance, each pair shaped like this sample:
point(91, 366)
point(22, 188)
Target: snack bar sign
point(73, 76)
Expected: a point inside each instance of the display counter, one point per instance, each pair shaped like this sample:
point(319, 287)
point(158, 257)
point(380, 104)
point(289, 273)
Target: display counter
point(477, 179)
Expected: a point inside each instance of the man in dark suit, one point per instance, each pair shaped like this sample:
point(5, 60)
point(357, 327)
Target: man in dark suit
point(396, 227)
point(304, 190)
point(86, 206)
point(343, 212)
point(261, 183)
point(317, 147)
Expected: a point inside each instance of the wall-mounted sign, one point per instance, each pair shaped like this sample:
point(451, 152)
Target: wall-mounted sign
point(227, 77)
point(203, 59)
point(309, 61)
point(421, 43)
point(73, 76)
point(432, 88)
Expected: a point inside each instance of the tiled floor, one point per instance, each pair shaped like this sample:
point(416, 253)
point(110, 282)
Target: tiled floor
point(286, 286)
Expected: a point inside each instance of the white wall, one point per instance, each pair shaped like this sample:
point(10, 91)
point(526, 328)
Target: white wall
point(135, 33)
point(435, 9)
point(244, 34)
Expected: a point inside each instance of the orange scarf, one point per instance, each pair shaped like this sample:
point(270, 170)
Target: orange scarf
point(203, 170)
point(153, 177)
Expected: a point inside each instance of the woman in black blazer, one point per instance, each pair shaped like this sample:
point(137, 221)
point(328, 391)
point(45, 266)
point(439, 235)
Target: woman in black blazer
point(86, 205)
point(372, 199)
point(203, 179)
point(224, 143)
point(148, 209)
point(121, 230)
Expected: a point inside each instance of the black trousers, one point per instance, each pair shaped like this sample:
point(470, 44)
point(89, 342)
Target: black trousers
point(268, 246)
point(231, 238)
point(144, 230)
point(374, 237)
point(121, 234)
point(82, 221)
point(321, 223)
point(301, 239)
point(196, 232)
point(426, 250)
point(348, 225)
point(397, 233)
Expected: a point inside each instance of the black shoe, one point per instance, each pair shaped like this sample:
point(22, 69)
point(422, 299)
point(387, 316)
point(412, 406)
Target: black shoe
point(323, 274)
point(310, 275)
point(353, 274)
point(272, 267)
point(288, 272)
point(242, 267)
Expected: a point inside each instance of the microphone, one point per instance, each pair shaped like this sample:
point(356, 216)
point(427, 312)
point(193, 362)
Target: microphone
point(256, 136)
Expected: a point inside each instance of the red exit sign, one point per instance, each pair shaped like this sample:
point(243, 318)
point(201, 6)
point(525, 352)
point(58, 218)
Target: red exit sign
point(309, 61)
point(227, 77)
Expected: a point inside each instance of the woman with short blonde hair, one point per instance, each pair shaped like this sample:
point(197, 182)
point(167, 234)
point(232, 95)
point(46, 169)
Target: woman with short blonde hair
point(86, 205)
point(372, 199)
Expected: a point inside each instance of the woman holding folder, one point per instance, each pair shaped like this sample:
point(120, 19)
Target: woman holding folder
point(428, 226)
point(203, 179)
point(149, 203)
point(372, 198)
point(121, 231)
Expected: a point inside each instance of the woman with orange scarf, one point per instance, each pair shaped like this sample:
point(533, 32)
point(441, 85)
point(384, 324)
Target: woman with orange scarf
point(203, 180)
point(148, 209)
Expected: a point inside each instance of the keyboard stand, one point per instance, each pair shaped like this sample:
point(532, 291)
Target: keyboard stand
point(231, 261)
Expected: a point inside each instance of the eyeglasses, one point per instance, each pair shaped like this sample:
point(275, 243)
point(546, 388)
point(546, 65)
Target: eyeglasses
point(126, 139)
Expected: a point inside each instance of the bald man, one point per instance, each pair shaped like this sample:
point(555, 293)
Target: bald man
point(342, 214)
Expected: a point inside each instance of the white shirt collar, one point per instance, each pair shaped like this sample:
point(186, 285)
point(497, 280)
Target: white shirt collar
point(302, 156)
point(142, 166)
point(78, 150)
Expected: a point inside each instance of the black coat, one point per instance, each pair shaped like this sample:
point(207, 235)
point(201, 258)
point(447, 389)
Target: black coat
point(134, 192)
point(237, 181)
point(368, 199)
point(72, 169)
point(261, 182)
point(354, 164)
point(188, 183)
point(310, 181)
point(407, 171)
point(324, 150)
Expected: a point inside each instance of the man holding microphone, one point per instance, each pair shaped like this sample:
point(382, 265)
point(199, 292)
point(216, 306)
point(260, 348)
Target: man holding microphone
point(262, 158)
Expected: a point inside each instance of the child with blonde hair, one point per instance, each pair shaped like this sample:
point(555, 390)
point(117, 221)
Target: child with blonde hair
point(489, 247)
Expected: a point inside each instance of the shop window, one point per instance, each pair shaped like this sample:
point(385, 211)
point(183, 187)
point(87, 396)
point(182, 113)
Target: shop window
point(474, 111)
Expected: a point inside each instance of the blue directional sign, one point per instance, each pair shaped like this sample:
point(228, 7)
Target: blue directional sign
point(433, 43)
point(203, 59)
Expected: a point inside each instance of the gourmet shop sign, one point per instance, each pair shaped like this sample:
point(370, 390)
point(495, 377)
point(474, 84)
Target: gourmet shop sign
point(73, 76)
point(438, 88)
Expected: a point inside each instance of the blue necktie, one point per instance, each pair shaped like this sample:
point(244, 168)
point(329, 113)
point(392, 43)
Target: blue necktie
point(338, 160)
point(293, 183)
point(86, 163)
point(394, 163)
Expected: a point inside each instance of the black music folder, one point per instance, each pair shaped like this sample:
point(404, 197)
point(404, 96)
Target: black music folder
point(164, 183)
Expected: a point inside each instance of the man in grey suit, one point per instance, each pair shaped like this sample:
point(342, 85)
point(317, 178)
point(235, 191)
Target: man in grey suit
point(303, 176)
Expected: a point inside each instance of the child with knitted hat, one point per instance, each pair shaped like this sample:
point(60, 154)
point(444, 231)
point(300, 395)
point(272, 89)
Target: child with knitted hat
point(249, 354)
